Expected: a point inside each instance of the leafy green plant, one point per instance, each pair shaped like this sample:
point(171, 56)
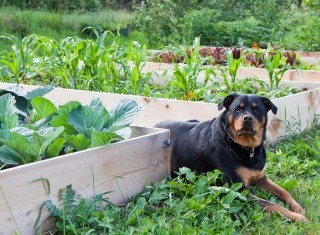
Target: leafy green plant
point(230, 71)
point(276, 67)
point(47, 131)
point(188, 204)
point(77, 215)
point(185, 78)
point(199, 204)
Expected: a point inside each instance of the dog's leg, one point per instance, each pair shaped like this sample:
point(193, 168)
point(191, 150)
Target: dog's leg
point(272, 207)
point(267, 185)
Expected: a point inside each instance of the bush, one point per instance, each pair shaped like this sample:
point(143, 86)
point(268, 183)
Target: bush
point(168, 21)
point(222, 33)
point(300, 32)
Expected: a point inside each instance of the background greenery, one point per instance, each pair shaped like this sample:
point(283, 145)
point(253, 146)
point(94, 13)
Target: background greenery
point(294, 24)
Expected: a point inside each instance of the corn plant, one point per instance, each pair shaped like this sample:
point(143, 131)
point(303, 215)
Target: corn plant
point(276, 66)
point(185, 78)
point(230, 71)
point(137, 55)
point(16, 62)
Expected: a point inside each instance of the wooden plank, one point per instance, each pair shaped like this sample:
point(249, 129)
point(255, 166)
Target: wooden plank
point(156, 109)
point(310, 60)
point(139, 161)
point(295, 113)
point(308, 53)
point(243, 72)
point(300, 53)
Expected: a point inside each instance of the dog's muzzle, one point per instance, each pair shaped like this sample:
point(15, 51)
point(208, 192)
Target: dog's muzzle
point(247, 126)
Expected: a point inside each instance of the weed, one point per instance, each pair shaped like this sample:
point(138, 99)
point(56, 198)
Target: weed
point(198, 204)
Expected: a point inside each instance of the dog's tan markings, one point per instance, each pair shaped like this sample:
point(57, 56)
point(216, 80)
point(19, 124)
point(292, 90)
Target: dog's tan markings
point(241, 105)
point(230, 119)
point(254, 105)
point(250, 141)
point(280, 193)
point(238, 124)
point(272, 207)
point(249, 176)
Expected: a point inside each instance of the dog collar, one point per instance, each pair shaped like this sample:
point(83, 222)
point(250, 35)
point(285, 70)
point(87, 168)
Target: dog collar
point(251, 150)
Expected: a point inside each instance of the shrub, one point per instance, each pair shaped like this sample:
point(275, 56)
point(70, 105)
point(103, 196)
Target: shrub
point(222, 33)
point(300, 31)
point(168, 21)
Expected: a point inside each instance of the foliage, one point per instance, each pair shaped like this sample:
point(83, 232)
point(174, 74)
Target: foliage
point(185, 79)
point(23, 23)
point(75, 63)
point(297, 155)
point(198, 204)
point(223, 33)
point(232, 68)
point(70, 5)
point(90, 65)
point(300, 31)
point(275, 68)
point(47, 131)
point(188, 204)
point(229, 23)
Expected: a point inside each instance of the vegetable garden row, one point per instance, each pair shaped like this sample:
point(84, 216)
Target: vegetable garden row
point(61, 121)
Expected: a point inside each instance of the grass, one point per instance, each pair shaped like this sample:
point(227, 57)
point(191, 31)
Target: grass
point(27, 22)
point(192, 204)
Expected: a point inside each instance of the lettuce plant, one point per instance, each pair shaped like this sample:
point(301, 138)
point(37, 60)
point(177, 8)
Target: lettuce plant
point(33, 128)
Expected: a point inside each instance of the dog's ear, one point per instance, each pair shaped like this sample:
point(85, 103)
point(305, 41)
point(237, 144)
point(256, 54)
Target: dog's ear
point(269, 105)
point(227, 101)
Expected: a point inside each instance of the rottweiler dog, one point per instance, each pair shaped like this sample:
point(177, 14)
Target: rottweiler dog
point(233, 143)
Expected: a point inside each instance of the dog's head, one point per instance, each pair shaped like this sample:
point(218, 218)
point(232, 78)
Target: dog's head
point(247, 118)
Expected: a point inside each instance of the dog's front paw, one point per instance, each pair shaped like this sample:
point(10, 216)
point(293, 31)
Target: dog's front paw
point(297, 208)
point(298, 217)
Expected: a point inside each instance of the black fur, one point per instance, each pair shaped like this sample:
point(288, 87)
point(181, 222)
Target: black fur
point(209, 145)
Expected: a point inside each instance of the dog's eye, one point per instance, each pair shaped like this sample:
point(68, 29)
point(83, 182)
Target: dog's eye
point(256, 110)
point(238, 109)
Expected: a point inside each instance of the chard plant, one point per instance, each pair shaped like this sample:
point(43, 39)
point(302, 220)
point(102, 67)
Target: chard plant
point(33, 128)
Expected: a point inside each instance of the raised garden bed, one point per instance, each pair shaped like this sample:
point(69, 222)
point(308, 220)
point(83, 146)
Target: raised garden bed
point(23, 189)
point(307, 76)
point(295, 112)
point(97, 168)
point(252, 56)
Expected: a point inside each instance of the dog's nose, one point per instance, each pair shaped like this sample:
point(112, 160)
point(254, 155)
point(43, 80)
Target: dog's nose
point(247, 118)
